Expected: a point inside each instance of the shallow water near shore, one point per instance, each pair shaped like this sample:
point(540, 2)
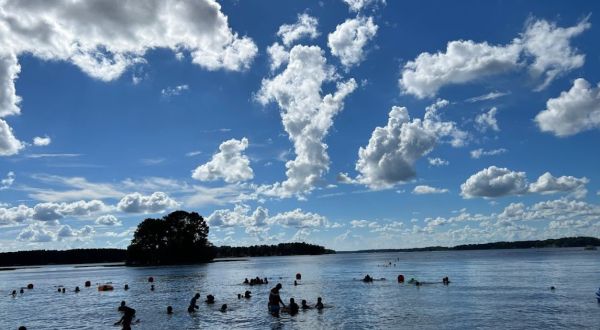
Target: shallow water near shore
point(507, 289)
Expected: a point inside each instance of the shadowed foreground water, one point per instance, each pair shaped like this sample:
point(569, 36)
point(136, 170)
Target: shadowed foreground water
point(506, 289)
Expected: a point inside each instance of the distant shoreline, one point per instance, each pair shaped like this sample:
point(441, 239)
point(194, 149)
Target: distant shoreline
point(116, 257)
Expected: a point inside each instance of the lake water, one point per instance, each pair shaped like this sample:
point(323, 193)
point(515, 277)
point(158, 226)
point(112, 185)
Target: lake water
point(506, 289)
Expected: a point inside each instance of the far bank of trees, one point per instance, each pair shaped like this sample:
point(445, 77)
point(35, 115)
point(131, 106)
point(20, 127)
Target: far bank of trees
point(281, 249)
point(53, 257)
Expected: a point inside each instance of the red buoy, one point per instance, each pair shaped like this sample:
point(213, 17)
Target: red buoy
point(400, 278)
point(150, 279)
point(298, 276)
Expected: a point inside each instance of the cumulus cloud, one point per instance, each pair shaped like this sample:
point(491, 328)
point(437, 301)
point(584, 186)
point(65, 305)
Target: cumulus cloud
point(348, 40)
point(574, 111)
point(174, 91)
point(298, 219)
point(306, 26)
point(138, 203)
point(306, 115)
point(392, 151)
point(40, 141)
point(104, 38)
point(550, 46)
point(15, 214)
point(229, 164)
point(108, 220)
point(239, 216)
point(549, 184)
point(424, 189)
point(278, 55)
point(8, 181)
point(494, 182)
point(543, 44)
point(477, 153)
point(358, 5)
point(437, 161)
point(36, 233)
point(65, 231)
point(56, 211)
point(487, 120)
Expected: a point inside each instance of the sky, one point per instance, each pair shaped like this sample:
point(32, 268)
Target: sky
point(353, 124)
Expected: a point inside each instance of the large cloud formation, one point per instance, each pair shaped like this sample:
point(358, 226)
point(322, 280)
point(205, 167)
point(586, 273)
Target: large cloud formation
point(544, 48)
point(138, 203)
point(574, 111)
point(228, 164)
point(307, 116)
point(392, 151)
point(105, 37)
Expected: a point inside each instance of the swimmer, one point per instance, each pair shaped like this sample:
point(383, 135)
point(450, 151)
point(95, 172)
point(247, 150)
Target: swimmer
point(126, 287)
point(275, 300)
point(223, 308)
point(319, 304)
point(210, 299)
point(77, 289)
point(169, 310)
point(14, 293)
point(239, 296)
point(367, 279)
point(128, 315)
point(193, 306)
point(266, 281)
point(304, 305)
point(152, 287)
point(122, 307)
point(22, 328)
point(295, 283)
point(247, 294)
point(552, 288)
point(246, 281)
point(21, 291)
point(293, 307)
point(64, 290)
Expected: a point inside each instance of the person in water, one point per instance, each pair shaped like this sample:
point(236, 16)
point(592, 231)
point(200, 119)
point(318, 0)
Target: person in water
point(77, 289)
point(223, 308)
point(14, 293)
point(122, 306)
point(127, 319)
point(192, 307)
point(246, 281)
point(319, 304)
point(304, 305)
point(295, 283)
point(293, 307)
point(247, 294)
point(367, 279)
point(210, 299)
point(239, 296)
point(21, 291)
point(126, 287)
point(152, 287)
point(275, 300)
point(169, 310)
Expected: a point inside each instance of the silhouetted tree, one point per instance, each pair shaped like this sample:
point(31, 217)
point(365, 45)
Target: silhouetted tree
point(179, 237)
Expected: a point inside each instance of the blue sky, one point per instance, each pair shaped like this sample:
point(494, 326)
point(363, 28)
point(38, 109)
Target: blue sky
point(352, 124)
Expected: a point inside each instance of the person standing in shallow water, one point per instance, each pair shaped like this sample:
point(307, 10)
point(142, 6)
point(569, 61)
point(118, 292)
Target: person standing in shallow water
point(193, 306)
point(275, 300)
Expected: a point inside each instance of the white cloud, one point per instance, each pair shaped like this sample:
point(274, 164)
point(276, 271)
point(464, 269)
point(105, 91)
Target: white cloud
point(438, 161)
point(298, 219)
point(358, 5)
point(39, 141)
point(494, 182)
point(57, 211)
point(477, 153)
point(15, 214)
point(549, 184)
point(9, 144)
point(489, 96)
point(108, 220)
point(278, 55)
point(392, 150)
point(487, 120)
point(36, 233)
point(574, 111)
point(65, 231)
point(306, 116)
point(465, 61)
point(174, 91)
point(239, 216)
point(229, 164)
point(8, 181)
point(306, 26)
point(551, 49)
point(359, 223)
point(423, 190)
point(105, 38)
point(138, 203)
point(349, 39)
point(76, 188)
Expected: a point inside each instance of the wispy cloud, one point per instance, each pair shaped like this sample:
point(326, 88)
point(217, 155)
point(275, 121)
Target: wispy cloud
point(152, 161)
point(486, 97)
point(174, 91)
point(58, 155)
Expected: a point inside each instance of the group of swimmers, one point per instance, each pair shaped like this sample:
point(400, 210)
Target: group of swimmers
point(369, 279)
point(256, 281)
point(292, 308)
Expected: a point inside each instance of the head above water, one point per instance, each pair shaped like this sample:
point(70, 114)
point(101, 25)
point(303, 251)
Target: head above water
point(197, 295)
point(123, 303)
point(319, 299)
point(292, 300)
point(169, 309)
point(278, 286)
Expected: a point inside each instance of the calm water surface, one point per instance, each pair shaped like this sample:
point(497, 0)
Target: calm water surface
point(506, 289)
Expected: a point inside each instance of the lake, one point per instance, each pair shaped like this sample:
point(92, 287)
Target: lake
point(508, 289)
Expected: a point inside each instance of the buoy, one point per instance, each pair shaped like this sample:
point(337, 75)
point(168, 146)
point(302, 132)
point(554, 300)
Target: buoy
point(298, 276)
point(400, 278)
point(29, 286)
point(150, 279)
point(105, 287)
point(88, 284)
